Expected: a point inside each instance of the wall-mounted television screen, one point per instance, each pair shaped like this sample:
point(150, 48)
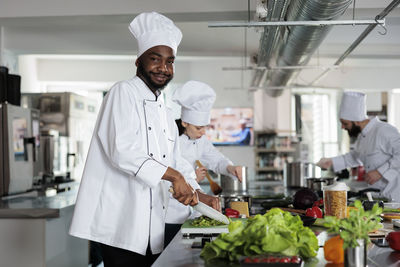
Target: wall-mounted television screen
point(231, 126)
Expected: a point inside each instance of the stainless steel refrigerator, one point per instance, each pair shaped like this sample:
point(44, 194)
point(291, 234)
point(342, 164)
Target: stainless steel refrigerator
point(19, 143)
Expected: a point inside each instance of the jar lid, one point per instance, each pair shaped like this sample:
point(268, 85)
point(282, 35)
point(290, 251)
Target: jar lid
point(337, 186)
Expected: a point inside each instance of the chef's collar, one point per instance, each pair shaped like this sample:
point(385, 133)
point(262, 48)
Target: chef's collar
point(187, 139)
point(145, 91)
point(369, 126)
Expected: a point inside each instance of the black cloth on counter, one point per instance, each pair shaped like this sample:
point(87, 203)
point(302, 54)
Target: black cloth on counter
point(118, 257)
point(170, 231)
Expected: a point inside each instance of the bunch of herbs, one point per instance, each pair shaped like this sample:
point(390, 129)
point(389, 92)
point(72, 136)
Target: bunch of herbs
point(356, 226)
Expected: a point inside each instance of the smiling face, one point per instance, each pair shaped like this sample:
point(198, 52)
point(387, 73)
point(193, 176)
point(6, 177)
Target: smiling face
point(193, 131)
point(156, 67)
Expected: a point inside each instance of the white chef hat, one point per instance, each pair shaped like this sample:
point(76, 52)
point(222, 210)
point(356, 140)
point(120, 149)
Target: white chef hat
point(153, 29)
point(196, 99)
point(353, 106)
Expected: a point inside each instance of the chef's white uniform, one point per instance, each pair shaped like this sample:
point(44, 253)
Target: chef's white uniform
point(122, 199)
point(377, 148)
point(200, 149)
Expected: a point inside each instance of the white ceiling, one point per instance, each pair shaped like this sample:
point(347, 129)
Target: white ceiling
point(101, 27)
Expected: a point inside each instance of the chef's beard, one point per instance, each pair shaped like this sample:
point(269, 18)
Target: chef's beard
point(354, 131)
point(149, 81)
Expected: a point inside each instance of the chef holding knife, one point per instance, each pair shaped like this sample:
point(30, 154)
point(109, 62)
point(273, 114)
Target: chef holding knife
point(377, 147)
point(196, 99)
point(134, 156)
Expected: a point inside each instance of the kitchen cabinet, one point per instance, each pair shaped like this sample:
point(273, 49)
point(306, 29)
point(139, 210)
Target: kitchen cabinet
point(272, 150)
point(34, 232)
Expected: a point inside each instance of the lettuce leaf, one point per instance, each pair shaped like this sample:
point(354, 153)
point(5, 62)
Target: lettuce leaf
point(276, 231)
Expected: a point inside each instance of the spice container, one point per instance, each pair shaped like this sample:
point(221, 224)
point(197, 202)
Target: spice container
point(335, 200)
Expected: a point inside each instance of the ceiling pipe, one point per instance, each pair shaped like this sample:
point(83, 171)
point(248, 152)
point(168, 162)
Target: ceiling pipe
point(311, 23)
point(296, 44)
point(269, 39)
point(362, 36)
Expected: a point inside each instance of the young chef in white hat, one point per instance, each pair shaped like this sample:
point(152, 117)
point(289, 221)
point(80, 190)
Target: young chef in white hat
point(134, 156)
point(377, 147)
point(196, 99)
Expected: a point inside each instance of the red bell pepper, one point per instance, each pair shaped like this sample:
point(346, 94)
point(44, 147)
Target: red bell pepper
point(231, 213)
point(314, 212)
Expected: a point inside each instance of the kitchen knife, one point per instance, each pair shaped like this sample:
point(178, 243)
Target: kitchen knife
point(208, 211)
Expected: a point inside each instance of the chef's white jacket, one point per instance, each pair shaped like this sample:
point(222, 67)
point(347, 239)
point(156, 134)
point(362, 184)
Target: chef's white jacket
point(203, 150)
point(122, 199)
point(377, 148)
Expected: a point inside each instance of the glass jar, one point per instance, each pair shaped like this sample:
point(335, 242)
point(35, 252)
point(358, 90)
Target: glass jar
point(335, 200)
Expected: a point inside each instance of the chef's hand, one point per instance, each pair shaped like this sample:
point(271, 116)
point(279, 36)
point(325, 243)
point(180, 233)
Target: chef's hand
point(236, 171)
point(325, 163)
point(209, 200)
point(201, 174)
point(372, 177)
point(183, 192)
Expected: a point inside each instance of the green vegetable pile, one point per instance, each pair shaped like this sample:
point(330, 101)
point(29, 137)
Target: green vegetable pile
point(356, 226)
point(204, 221)
point(276, 231)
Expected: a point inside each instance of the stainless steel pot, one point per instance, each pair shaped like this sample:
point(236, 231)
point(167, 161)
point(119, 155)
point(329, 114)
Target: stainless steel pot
point(311, 170)
point(317, 184)
point(295, 173)
point(232, 184)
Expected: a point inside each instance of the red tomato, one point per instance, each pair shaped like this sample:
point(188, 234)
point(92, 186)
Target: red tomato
point(314, 212)
point(248, 260)
point(273, 259)
point(295, 259)
point(319, 203)
point(285, 260)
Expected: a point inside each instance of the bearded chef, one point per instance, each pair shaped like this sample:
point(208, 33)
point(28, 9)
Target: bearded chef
point(196, 99)
point(377, 147)
point(134, 156)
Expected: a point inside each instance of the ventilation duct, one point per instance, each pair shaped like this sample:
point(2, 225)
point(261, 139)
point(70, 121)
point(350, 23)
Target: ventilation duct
point(292, 45)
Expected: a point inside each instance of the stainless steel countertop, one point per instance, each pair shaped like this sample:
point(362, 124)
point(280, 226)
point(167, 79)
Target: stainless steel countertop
point(179, 253)
point(37, 206)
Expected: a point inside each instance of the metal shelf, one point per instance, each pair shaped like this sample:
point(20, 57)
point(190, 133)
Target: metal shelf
point(268, 169)
point(266, 182)
point(274, 150)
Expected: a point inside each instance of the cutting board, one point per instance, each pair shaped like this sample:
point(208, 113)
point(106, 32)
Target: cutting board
point(188, 228)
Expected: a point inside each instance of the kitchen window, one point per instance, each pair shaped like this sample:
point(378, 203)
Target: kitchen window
point(315, 119)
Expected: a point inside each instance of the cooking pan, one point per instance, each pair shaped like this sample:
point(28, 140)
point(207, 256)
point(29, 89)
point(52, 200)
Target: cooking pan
point(271, 203)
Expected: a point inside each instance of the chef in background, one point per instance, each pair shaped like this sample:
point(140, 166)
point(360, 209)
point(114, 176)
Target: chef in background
point(377, 147)
point(196, 99)
point(134, 156)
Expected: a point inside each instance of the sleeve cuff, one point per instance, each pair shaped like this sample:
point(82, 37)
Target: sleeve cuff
point(223, 167)
point(387, 173)
point(382, 169)
point(338, 163)
point(151, 172)
point(193, 183)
